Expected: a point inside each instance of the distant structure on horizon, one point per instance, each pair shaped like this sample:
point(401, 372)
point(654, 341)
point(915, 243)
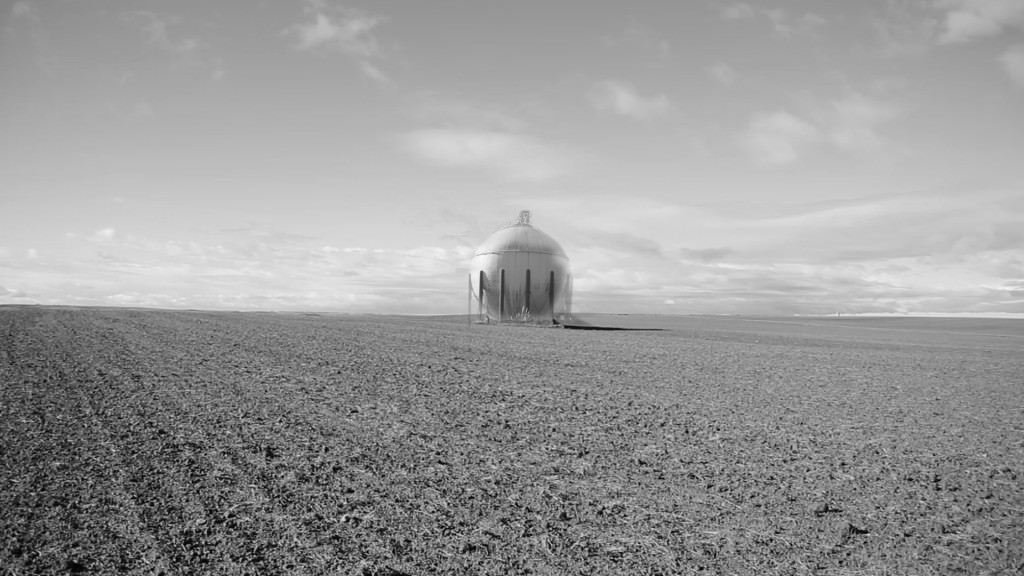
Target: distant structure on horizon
point(521, 274)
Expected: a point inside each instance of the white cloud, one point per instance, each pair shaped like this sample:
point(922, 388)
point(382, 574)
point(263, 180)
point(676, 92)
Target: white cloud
point(783, 23)
point(165, 33)
point(103, 235)
point(248, 269)
point(513, 156)
point(850, 123)
point(723, 73)
point(347, 31)
point(786, 25)
point(903, 35)
point(443, 109)
point(1013, 63)
point(155, 27)
point(778, 138)
point(904, 27)
point(374, 73)
point(738, 11)
point(940, 251)
point(335, 29)
point(25, 9)
point(621, 98)
point(968, 20)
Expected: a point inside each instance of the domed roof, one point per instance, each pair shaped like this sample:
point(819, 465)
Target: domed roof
point(520, 237)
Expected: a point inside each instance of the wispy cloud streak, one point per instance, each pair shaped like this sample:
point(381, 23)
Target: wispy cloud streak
point(156, 29)
point(778, 138)
point(622, 98)
point(968, 20)
point(1013, 64)
point(513, 156)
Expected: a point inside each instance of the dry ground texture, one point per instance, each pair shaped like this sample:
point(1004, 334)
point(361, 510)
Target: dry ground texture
point(143, 442)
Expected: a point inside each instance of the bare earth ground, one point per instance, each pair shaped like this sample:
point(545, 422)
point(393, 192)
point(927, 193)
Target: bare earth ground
point(227, 443)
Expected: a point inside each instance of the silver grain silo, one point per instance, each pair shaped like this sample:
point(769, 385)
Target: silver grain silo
point(520, 273)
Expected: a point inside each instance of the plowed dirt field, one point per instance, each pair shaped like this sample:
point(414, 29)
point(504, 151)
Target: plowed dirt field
point(143, 442)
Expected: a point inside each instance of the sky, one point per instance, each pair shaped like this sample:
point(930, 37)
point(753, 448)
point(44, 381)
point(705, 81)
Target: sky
point(698, 157)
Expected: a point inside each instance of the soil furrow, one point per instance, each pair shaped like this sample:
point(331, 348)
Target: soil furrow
point(195, 442)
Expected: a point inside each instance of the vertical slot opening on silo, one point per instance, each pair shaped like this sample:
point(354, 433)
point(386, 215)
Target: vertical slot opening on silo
point(527, 291)
point(551, 294)
point(501, 296)
point(480, 298)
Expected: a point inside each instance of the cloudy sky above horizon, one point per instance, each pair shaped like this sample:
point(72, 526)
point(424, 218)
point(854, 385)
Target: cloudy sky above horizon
point(768, 157)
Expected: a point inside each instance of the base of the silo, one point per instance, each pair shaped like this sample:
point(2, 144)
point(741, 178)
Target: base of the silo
point(525, 323)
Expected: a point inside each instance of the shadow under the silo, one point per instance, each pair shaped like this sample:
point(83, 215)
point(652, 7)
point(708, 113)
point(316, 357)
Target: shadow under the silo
point(606, 323)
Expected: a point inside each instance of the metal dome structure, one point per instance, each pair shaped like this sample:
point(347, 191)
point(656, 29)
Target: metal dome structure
point(520, 273)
